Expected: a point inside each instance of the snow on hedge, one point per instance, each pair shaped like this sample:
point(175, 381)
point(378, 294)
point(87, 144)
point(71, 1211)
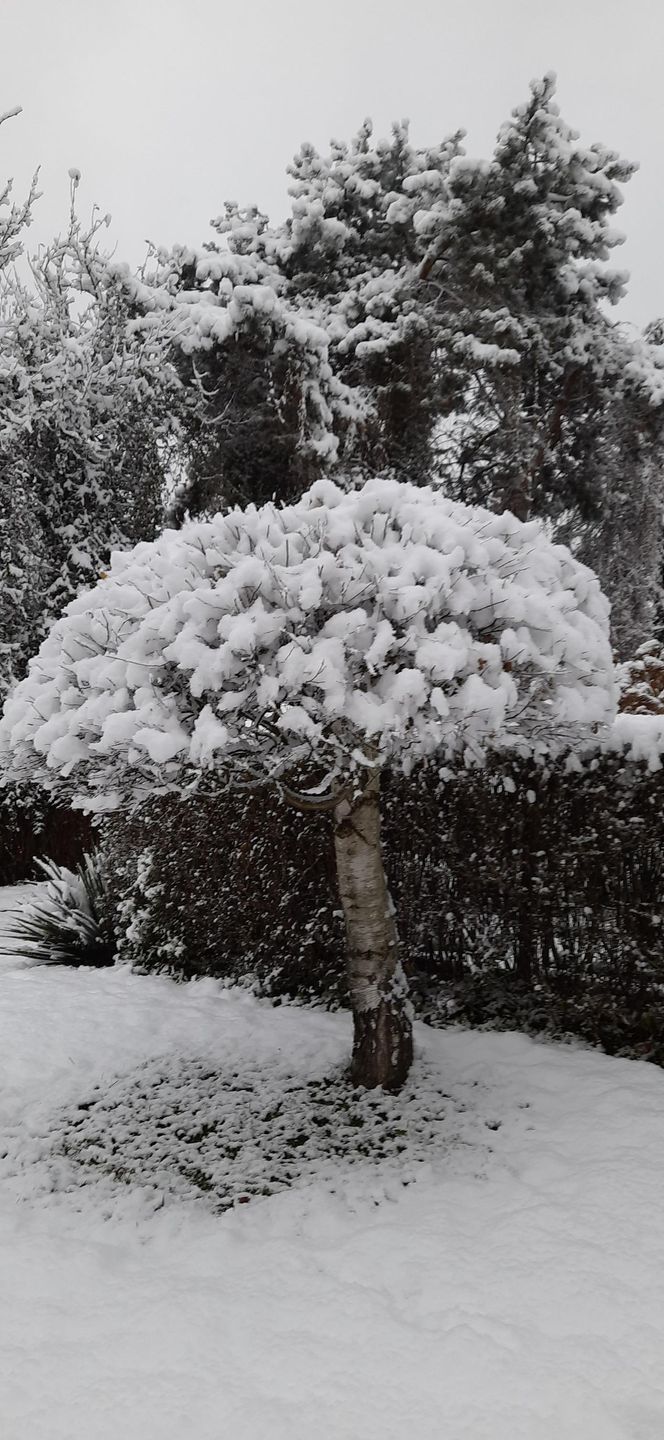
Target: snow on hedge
point(637, 738)
point(351, 628)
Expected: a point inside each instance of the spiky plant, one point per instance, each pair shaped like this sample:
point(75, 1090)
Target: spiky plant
point(67, 923)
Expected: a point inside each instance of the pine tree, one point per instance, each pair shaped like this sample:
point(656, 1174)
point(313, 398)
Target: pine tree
point(349, 250)
point(517, 288)
point(260, 420)
point(440, 316)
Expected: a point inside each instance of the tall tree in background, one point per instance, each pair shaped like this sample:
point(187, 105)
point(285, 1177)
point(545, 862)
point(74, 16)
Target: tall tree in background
point(304, 345)
point(418, 311)
point(445, 317)
point(349, 251)
point(84, 435)
point(563, 413)
point(518, 284)
point(264, 403)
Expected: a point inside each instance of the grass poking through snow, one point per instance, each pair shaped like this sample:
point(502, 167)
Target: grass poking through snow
point(190, 1131)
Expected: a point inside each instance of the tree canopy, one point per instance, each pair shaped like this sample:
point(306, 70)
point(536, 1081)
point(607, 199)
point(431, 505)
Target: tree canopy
point(351, 628)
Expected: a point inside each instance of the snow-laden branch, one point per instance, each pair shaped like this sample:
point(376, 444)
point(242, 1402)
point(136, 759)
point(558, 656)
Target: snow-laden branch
point(318, 640)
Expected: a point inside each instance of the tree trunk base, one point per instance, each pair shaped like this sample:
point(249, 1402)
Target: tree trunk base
point(382, 1046)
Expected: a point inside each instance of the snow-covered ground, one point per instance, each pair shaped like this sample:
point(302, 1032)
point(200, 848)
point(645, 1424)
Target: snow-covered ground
point(512, 1290)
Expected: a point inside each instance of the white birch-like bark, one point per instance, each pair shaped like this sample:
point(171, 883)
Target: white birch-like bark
point(383, 1039)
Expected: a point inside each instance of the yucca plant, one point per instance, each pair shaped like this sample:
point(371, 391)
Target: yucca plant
point(67, 923)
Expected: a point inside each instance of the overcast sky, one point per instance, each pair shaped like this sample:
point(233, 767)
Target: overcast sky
point(168, 107)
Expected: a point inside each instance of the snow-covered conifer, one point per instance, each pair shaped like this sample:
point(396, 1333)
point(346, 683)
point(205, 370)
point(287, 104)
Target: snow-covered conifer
point(517, 280)
point(307, 647)
point(303, 345)
point(350, 249)
point(443, 316)
point(264, 403)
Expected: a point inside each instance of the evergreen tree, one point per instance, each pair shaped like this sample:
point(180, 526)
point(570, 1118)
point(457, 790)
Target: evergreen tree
point(260, 421)
point(304, 346)
point(445, 317)
point(517, 285)
point(349, 251)
point(307, 648)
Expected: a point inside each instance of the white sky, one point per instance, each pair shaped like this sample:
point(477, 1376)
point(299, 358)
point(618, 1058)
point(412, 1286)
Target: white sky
point(168, 107)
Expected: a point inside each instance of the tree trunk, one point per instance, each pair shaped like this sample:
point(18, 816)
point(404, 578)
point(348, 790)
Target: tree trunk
point(383, 1039)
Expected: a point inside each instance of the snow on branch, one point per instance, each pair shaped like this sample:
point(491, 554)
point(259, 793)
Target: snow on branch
point(384, 624)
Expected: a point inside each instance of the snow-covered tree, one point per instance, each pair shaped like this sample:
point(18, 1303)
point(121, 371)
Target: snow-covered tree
point(19, 581)
point(307, 648)
point(352, 250)
point(14, 218)
point(85, 420)
point(518, 286)
point(622, 540)
point(436, 314)
point(264, 404)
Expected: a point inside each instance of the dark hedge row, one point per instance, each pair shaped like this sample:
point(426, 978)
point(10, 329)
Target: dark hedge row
point(533, 903)
point(237, 886)
point(31, 828)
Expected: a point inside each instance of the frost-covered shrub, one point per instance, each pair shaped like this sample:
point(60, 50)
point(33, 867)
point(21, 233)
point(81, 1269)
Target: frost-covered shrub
point(66, 922)
point(533, 904)
point(496, 999)
point(530, 885)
